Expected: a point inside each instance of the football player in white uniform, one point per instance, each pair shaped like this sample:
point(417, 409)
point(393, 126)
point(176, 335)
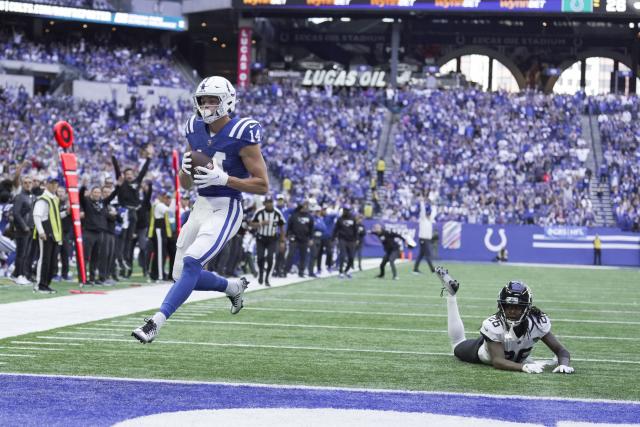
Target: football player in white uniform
point(506, 338)
point(233, 144)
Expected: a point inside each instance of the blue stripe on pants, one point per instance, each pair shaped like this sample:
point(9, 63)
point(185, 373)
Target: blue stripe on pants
point(220, 241)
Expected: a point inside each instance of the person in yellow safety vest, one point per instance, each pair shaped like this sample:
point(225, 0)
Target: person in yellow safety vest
point(380, 168)
point(48, 231)
point(159, 232)
point(597, 251)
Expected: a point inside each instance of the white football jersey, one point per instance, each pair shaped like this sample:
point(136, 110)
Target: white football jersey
point(516, 349)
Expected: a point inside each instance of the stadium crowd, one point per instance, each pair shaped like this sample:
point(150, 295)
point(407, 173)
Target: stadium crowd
point(98, 58)
point(478, 157)
point(620, 135)
point(493, 158)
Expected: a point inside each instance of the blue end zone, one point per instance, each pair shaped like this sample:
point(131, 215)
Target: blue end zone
point(67, 401)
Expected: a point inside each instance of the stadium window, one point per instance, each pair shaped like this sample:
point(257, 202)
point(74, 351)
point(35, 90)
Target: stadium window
point(598, 75)
point(475, 68)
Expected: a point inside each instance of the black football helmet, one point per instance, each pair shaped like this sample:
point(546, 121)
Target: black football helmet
point(515, 293)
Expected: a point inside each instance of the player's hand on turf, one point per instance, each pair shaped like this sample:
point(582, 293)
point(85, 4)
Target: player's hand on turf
point(186, 163)
point(208, 177)
point(563, 369)
point(532, 368)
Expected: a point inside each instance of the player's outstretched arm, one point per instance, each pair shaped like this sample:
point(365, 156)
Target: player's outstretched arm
point(564, 358)
point(496, 351)
point(258, 182)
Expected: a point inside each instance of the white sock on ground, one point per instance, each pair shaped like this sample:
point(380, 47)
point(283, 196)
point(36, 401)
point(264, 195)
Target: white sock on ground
point(232, 287)
point(455, 327)
point(159, 319)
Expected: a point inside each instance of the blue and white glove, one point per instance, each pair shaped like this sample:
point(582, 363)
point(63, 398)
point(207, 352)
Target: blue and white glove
point(208, 177)
point(533, 368)
point(186, 163)
point(563, 369)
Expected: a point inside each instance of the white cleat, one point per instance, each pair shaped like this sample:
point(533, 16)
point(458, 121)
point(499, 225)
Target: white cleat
point(147, 332)
point(449, 284)
point(237, 298)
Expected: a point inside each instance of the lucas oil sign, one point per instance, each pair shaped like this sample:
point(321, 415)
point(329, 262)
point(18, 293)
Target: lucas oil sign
point(344, 78)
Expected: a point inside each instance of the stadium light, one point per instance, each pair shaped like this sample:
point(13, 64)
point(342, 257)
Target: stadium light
point(203, 24)
point(223, 45)
point(51, 22)
point(388, 20)
point(345, 19)
point(636, 5)
point(632, 25)
point(319, 21)
point(215, 39)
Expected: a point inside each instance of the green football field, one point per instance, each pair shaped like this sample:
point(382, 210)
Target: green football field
point(365, 333)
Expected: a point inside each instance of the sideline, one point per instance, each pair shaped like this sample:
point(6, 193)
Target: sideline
point(25, 317)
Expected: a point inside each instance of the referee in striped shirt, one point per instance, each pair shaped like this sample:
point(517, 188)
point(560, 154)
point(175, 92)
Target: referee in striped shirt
point(269, 225)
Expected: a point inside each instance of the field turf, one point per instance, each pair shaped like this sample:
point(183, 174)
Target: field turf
point(365, 333)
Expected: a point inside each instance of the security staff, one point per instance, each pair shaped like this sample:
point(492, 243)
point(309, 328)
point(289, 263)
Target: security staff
point(362, 232)
point(346, 231)
point(46, 216)
point(300, 234)
point(159, 231)
point(269, 225)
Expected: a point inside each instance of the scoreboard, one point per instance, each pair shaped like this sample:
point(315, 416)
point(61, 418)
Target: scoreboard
point(600, 7)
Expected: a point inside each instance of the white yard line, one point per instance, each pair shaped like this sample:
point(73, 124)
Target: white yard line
point(394, 294)
point(365, 328)
point(43, 343)
point(401, 304)
point(307, 348)
point(24, 317)
point(32, 348)
point(383, 313)
point(16, 355)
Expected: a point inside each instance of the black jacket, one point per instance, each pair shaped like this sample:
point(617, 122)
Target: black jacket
point(346, 229)
point(300, 226)
point(23, 213)
point(390, 240)
point(95, 213)
point(128, 195)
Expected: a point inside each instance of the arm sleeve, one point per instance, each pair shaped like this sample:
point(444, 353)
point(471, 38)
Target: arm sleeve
point(116, 167)
point(39, 214)
point(143, 171)
point(83, 199)
point(147, 195)
point(113, 195)
point(17, 217)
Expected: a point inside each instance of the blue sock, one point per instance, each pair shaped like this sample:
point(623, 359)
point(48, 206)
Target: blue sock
point(181, 290)
point(208, 281)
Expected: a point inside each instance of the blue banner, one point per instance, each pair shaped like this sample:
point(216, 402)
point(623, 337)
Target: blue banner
point(524, 243)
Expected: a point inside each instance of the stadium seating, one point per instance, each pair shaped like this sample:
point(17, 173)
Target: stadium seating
point(493, 158)
point(620, 135)
point(98, 59)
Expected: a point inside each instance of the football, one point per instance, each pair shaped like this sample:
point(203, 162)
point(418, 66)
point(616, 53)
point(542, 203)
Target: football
point(198, 158)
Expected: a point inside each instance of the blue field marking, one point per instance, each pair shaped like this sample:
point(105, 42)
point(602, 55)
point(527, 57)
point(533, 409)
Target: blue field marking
point(32, 400)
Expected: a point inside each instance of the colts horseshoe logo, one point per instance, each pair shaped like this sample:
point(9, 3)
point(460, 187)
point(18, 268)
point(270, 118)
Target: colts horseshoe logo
point(499, 246)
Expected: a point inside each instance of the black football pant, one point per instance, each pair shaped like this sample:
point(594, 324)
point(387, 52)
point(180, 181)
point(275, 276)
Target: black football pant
point(108, 256)
point(23, 250)
point(299, 247)
point(266, 245)
point(347, 251)
point(390, 257)
point(93, 244)
point(65, 250)
point(46, 261)
point(326, 248)
point(424, 252)
point(158, 255)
